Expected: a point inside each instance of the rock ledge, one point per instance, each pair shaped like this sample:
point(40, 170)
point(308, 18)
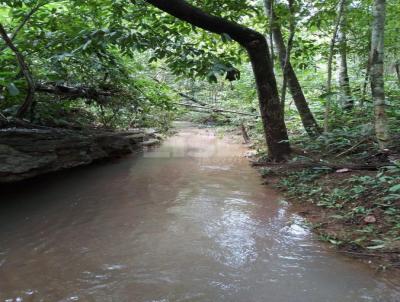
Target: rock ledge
point(29, 152)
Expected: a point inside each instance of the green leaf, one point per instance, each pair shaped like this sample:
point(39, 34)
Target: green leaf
point(86, 44)
point(395, 188)
point(12, 89)
point(376, 247)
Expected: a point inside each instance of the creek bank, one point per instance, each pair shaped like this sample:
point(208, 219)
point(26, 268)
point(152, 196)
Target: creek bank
point(355, 211)
point(30, 151)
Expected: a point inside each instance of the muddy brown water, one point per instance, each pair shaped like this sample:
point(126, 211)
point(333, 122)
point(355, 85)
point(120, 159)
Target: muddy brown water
point(186, 222)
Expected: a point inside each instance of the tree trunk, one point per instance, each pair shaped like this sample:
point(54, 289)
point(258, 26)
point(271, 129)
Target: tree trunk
point(3, 120)
point(330, 60)
point(26, 72)
point(344, 80)
point(365, 84)
point(246, 137)
point(377, 67)
point(307, 118)
point(271, 37)
point(285, 68)
point(397, 69)
point(257, 48)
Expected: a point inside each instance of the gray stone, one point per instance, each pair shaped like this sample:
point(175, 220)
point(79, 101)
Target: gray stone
point(25, 153)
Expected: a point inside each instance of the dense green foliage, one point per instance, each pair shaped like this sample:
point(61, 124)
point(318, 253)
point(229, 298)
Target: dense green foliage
point(121, 47)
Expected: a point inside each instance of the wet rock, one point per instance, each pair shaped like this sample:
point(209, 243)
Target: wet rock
point(150, 142)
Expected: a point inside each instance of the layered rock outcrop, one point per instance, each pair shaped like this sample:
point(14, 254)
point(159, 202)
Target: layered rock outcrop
point(28, 152)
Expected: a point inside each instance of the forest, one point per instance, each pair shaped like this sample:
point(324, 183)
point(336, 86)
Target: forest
point(312, 86)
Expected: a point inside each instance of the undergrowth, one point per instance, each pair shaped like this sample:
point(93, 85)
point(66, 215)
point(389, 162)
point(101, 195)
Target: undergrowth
point(365, 205)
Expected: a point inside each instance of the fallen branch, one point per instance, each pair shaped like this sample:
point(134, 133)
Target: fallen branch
point(192, 99)
point(352, 148)
point(370, 167)
point(216, 110)
point(73, 93)
point(204, 105)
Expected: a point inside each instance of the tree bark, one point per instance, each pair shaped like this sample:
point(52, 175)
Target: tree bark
point(285, 68)
point(366, 81)
point(344, 80)
point(257, 48)
point(271, 24)
point(246, 137)
point(307, 118)
point(397, 69)
point(377, 68)
point(330, 60)
point(3, 120)
point(26, 72)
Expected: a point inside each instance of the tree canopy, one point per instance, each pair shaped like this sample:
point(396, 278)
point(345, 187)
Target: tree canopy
point(129, 60)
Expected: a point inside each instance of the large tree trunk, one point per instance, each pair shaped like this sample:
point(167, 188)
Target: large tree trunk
point(257, 48)
point(377, 67)
point(344, 80)
point(307, 118)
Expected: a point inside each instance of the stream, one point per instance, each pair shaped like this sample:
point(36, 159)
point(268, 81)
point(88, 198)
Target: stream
point(189, 221)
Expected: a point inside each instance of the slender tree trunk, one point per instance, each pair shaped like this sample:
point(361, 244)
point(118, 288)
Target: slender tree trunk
point(307, 118)
point(285, 68)
point(246, 137)
point(26, 72)
point(377, 68)
point(365, 84)
point(271, 24)
point(3, 120)
point(330, 60)
point(397, 69)
point(257, 48)
point(344, 80)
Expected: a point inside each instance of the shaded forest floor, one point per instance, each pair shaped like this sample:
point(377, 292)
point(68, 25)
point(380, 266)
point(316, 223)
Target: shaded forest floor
point(353, 210)
point(353, 206)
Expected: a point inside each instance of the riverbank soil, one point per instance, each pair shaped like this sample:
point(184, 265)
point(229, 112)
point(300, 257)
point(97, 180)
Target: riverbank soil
point(347, 205)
